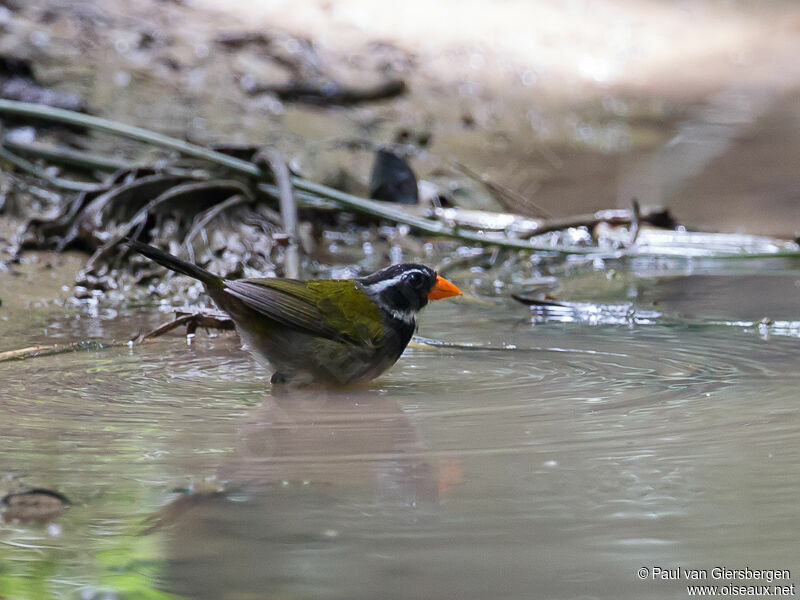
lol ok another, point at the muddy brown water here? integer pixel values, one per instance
(584, 446)
(653, 424)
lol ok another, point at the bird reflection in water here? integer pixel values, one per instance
(318, 479)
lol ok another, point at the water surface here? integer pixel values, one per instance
(583, 445)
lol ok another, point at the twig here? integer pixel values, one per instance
(506, 196)
(279, 169)
(527, 226)
(49, 350)
(327, 94)
(658, 217)
(207, 319)
(529, 300)
(636, 218)
(167, 327)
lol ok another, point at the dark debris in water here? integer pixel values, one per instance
(392, 179)
(35, 505)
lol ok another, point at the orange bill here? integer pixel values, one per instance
(443, 289)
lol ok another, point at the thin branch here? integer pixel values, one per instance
(167, 327)
(51, 349)
(207, 319)
(504, 195)
(332, 94)
(279, 169)
(636, 217)
(658, 217)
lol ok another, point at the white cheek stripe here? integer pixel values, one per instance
(378, 287)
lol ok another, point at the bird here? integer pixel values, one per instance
(333, 332)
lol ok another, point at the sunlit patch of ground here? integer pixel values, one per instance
(580, 92)
(669, 48)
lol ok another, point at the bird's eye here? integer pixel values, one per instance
(415, 279)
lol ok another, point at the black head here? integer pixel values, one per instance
(400, 290)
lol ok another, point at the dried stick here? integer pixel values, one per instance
(288, 208)
(51, 349)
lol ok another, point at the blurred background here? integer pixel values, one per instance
(575, 105)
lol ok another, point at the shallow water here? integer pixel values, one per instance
(652, 422)
(659, 429)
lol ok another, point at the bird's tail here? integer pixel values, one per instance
(173, 263)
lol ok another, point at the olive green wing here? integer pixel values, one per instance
(335, 310)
